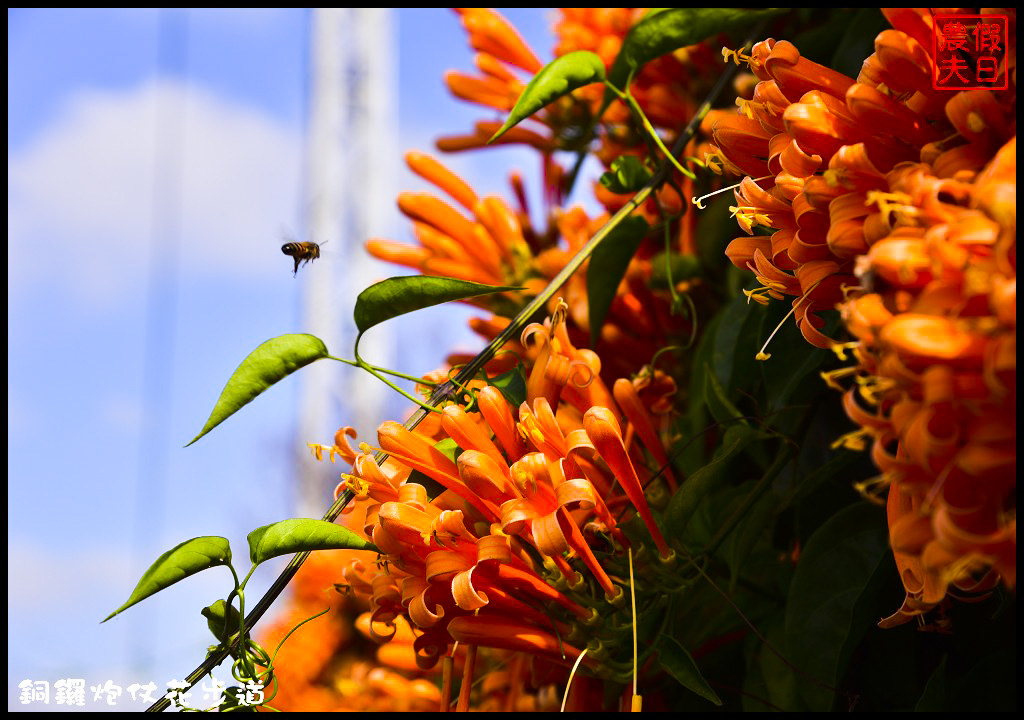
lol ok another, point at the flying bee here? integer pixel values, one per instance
(302, 252)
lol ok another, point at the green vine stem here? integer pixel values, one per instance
(374, 369)
(628, 98)
(370, 369)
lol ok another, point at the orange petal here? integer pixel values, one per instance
(468, 434)
(508, 634)
(499, 417)
(603, 431)
(434, 172)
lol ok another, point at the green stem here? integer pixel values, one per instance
(627, 98)
(378, 368)
(369, 368)
(285, 638)
(676, 301)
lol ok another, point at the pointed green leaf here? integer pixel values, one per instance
(677, 662)
(449, 448)
(556, 79)
(627, 175)
(756, 519)
(933, 698)
(512, 386)
(400, 295)
(834, 568)
(299, 535)
(220, 617)
(270, 362)
(608, 266)
(722, 409)
(667, 29)
(178, 563)
(432, 486)
(737, 342)
(690, 494)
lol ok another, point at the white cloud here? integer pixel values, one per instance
(81, 198)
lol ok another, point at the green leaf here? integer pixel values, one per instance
(627, 175)
(678, 663)
(722, 409)
(176, 564)
(834, 568)
(219, 616)
(449, 448)
(689, 495)
(736, 344)
(791, 363)
(556, 79)
(432, 486)
(695, 422)
(752, 529)
(608, 266)
(299, 535)
(273, 360)
(400, 295)
(858, 42)
(933, 698)
(665, 30)
(770, 684)
(682, 267)
(512, 386)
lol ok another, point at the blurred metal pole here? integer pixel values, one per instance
(351, 181)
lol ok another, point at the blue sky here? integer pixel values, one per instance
(113, 365)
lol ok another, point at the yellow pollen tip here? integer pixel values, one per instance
(840, 348)
(856, 440)
(356, 484)
(871, 387)
(831, 377)
(738, 56)
(744, 106)
(833, 178)
(975, 122)
(756, 295)
(873, 489)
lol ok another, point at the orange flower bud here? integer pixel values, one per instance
(604, 433)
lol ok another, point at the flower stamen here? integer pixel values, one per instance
(747, 217)
(711, 159)
(893, 202)
(737, 56)
(572, 673)
(840, 348)
(831, 377)
(762, 355)
(856, 440)
(636, 701)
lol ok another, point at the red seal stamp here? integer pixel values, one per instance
(970, 52)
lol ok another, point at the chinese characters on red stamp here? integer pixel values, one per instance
(970, 52)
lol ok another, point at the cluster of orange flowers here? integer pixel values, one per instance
(504, 557)
(497, 246)
(668, 89)
(936, 379)
(897, 202)
(487, 240)
(507, 554)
